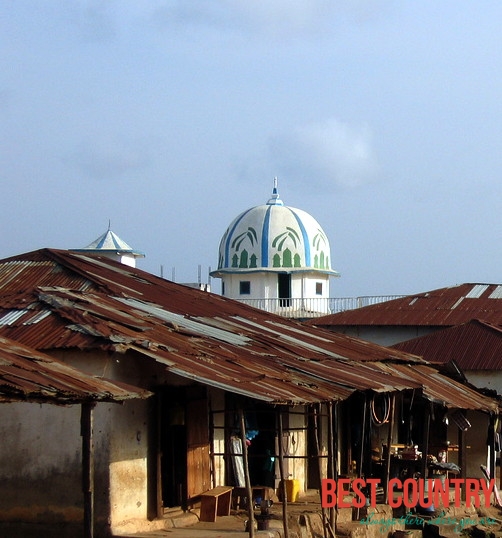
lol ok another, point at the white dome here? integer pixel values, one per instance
(276, 238)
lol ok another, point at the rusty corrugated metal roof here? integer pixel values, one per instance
(96, 303)
(444, 307)
(475, 345)
(32, 376)
(442, 389)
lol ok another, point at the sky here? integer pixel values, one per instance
(166, 119)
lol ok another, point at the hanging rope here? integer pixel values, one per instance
(378, 421)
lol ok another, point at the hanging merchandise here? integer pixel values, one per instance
(380, 416)
(237, 461)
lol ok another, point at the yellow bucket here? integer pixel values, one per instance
(292, 490)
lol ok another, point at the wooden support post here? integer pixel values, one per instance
(336, 418)
(363, 443)
(492, 462)
(325, 522)
(159, 504)
(462, 459)
(86, 431)
(332, 471)
(246, 474)
(212, 470)
(425, 447)
(389, 443)
(283, 478)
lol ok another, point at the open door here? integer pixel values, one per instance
(284, 289)
(198, 455)
(184, 445)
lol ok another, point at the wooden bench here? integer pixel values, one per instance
(215, 502)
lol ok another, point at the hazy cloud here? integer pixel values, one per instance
(277, 17)
(106, 158)
(329, 153)
(95, 20)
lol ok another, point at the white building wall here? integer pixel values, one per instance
(263, 285)
(264, 292)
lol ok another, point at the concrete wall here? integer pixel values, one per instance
(41, 453)
(41, 463)
(475, 440)
(40, 457)
(127, 470)
(264, 285)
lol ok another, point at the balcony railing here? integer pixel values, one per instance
(316, 306)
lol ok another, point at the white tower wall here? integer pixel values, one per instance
(276, 258)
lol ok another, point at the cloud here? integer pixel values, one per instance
(329, 154)
(272, 17)
(106, 158)
(94, 20)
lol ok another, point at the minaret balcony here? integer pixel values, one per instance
(306, 308)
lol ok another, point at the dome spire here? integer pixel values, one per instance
(275, 200)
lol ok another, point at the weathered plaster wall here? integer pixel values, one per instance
(128, 462)
(475, 440)
(476, 436)
(40, 465)
(40, 453)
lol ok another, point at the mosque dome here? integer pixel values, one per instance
(274, 238)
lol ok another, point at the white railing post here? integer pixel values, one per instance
(313, 307)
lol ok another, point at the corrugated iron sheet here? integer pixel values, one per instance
(29, 375)
(442, 389)
(444, 307)
(473, 346)
(197, 335)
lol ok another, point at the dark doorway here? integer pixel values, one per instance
(173, 447)
(284, 289)
(313, 442)
(262, 448)
(184, 445)
(261, 436)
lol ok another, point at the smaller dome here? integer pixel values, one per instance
(110, 245)
(109, 241)
(274, 237)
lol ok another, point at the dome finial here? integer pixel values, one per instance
(275, 200)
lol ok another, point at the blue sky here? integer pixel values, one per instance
(380, 118)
